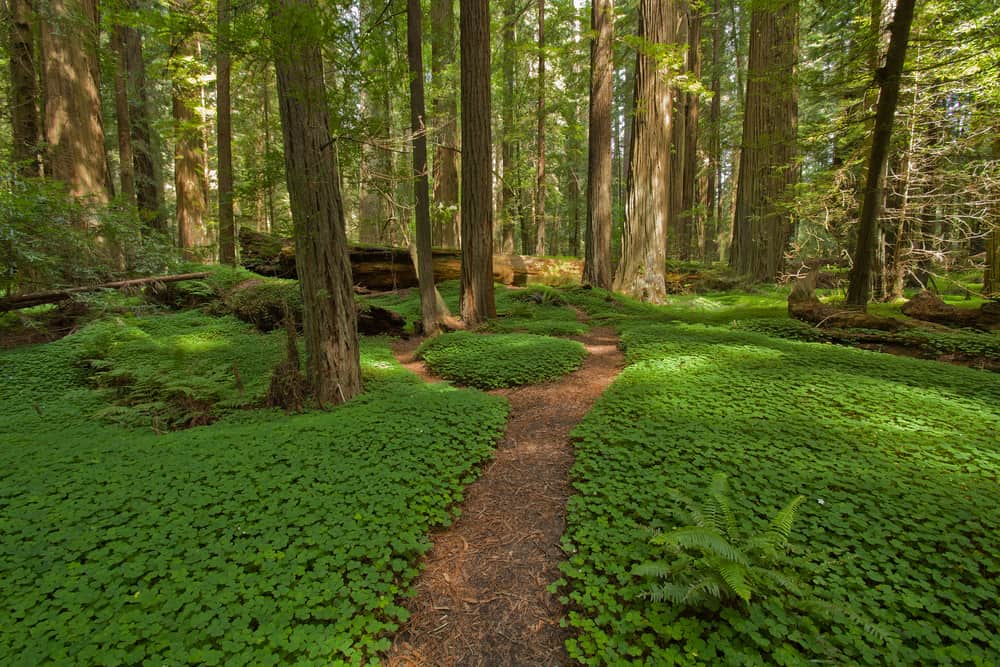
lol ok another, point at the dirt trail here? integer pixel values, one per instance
(482, 598)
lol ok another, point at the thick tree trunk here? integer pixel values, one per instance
(74, 127)
(689, 191)
(477, 211)
(126, 157)
(597, 264)
(540, 247)
(329, 316)
(762, 224)
(508, 192)
(148, 179)
(641, 273)
(224, 135)
(425, 271)
(714, 181)
(25, 130)
(859, 291)
(445, 114)
(678, 147)
(189, 159)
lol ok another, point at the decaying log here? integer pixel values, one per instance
(380, 269)
(803, 305)
(930, 308)
(38, 298)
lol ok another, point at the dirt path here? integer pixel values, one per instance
(482, 598)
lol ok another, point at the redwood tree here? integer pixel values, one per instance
(224, 135)
(641, 272)
(540, 138)
(597, 262)
(23, 87)
(477, 202)
(445, 112)
(333, 367)
(762, 224)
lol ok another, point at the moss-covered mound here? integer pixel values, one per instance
(502, 360)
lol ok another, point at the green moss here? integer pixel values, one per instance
(500, 360)
(262, 538)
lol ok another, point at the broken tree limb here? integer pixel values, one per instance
(381, 269)
(931, 308)
(54, 296)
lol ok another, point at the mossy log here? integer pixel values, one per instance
(19, 301)
(380, 269)
(930, 308)
(803, 305)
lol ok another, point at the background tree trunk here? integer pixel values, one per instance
(126, 156)
(224, 135)
(678, 147)
(329, 316)
(540, 248)
(597, 263)
(477, 211)
(713, 183)
(641, 273)
(508, 192)
(425, 270)
(689, 191)
(25, 130)
(991, 277)
(762, 223)
(445, 113)
(189, 158)
(74, 125)
(859, 291)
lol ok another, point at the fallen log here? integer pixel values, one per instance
(19, 301)
(929, 307)
(380, 269)
(804, 305)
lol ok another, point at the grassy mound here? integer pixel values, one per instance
(500, 360)
(896, 546)
(260, 539)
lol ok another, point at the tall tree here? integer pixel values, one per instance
(762, 224)
(425, 268)
(641, 272)
(540, 143)
(689, 182)
(714, 177)
(74, 125)
(123, 114)
(508, 192)
(477, 302)
(23, 87)
(888, 77)
(333, 367)
(445, 113)
(597, 261)
(189, 154)
(676, 220)
(991, 276)
(224, 134)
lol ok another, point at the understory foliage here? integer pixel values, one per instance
(500, 360)
(897, 542)
(710, 558)
(260, 539)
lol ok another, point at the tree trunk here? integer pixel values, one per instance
(25, 130)
(859, 291)
(73, 121)
(425, 271)
(445, 113)
(689, 191)
(508, 192)
(762, 224)
(126, 157)
(224, 136)
(477, 211)
(189, 160)
(675, 215)
(714, 182)
(597, 263)
(148, 180)
(991, 276)
(540, 248)
(329, 316)
(641, 273)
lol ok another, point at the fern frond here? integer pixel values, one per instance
(673, 593)
(781, 525)
(706, 539)
(777, 580)
(690, 512)
(719, 508)
(735, 576)
(656, 569)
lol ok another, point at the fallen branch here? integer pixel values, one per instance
(54, 296)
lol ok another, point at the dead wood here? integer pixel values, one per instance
(929, 307)
(804, 305)
(19, 301)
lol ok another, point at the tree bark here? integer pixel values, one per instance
(762, 224)
(445, 113)
(678, 147)
(224, 135)
(689, 190)
(25, 130)
(333, 366)
(508, 191)
(540, 248)
(74, 125)
(425, 270)
(991, 275)
(714, 181)
(477, 211)
(597, 261)
(189, 159)
(641, 273)
(126, 157)
(859, 290)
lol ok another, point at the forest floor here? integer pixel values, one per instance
(483, 597)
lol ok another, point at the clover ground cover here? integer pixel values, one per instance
(260, 539)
